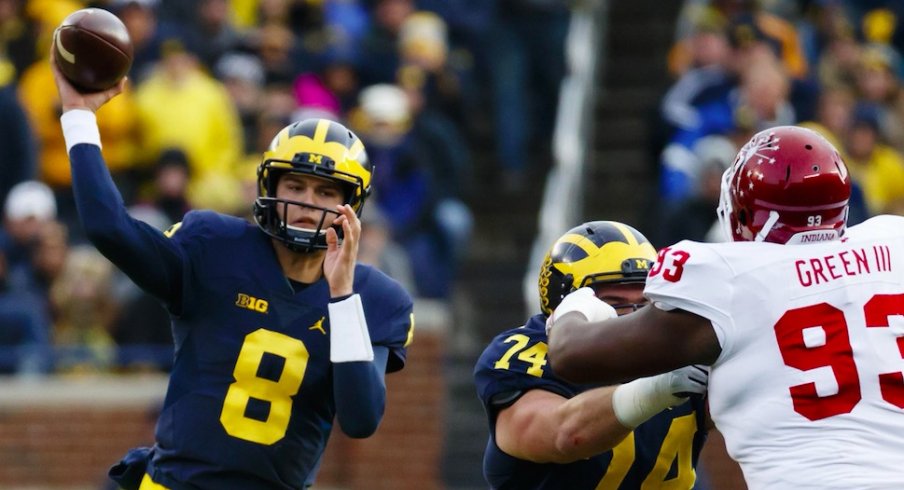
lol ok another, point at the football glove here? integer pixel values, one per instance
(585, 302)
(637, 401)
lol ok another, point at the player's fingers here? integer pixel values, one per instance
(349, 242)
(353, 221)
(116, 89)
(346, 211)
(332, 239)
(340, 215)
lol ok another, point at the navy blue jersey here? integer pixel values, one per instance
(662, 450)
(250, 400)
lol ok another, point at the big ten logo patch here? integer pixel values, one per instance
(251, 303)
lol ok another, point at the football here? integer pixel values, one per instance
(92, 49)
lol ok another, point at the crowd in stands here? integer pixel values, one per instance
(211, 83)
(741, 66)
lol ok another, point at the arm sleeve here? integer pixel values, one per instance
(360, 393)
(142, 252)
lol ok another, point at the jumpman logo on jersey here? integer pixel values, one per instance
(318, 325)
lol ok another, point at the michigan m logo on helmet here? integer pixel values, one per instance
(319, 148)
(597, 252)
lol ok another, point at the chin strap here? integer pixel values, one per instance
(767, 227)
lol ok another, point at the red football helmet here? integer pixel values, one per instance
(787, 185)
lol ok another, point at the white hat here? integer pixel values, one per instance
(240, 66)
(715, 150)
(30, 199)
(385, 103)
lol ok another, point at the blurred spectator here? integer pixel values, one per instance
(526, 62)
(140, 19)
(340, 75)
(431, 224)
(878, 84)
(876, 79)
(763, 97)
(751, 25)
(707, 71)
(378, 249)
(180, 106)
(28, 296)
(277, 48)
(29, 206)
(346, 20)
(380, 46)
(216, 34)
(271, 12)
(694, 217)
(47, 257)
(171, 177)
(424, 70)
(178, 11)
(18, 39)
(243, 76)
(748, 23)
(759, 102)
(833, 122)
(246, 173)
(839, 59)
(881, 23)
(314, 99)
(267, 122)
(24, 329)
(279, 100)
(17, 160)
(833, 115)
(877, 167)
(84, 309)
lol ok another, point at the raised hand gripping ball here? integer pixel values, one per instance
(92, 49)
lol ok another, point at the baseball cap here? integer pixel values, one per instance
(30, 199)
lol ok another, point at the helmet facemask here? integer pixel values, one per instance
(268, 207)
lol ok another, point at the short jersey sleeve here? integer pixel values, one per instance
(514, 363)
(694, 277)
(390, 316)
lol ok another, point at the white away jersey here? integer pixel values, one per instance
(808, 390)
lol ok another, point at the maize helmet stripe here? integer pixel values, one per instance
(323, 126)
(632, 236)
(594, 252)
(355, 150)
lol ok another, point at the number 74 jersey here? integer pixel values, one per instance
(661, 453)
(808, 390)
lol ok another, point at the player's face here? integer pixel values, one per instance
(309, 190)
(625, 298)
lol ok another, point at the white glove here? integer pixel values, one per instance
(637, 401)
(585, 302)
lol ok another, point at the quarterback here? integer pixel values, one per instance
(278, 330)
